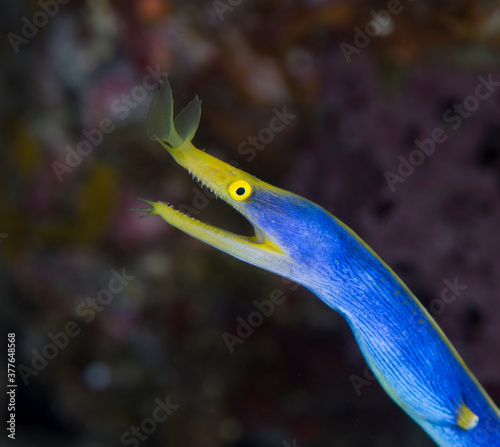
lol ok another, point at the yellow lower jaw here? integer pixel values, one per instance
(175, 136)
(242, 247)
(224, 240)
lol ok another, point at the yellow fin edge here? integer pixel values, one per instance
(466, 419)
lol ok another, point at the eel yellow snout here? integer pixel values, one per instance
(404, 347)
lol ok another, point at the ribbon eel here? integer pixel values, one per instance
(404, 347)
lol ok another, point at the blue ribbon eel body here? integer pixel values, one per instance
(406, 350)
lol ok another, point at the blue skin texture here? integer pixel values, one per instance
(405, 349)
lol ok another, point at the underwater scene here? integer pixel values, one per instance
(250, 223)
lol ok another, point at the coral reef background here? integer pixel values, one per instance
(365, 86)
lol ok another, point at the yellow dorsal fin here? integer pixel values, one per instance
(466, 419)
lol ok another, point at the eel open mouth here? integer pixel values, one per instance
(231, 184)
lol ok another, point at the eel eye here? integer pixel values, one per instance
(240, 190)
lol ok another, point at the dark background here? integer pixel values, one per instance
(291, 381)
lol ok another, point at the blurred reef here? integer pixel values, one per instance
(75, 155)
